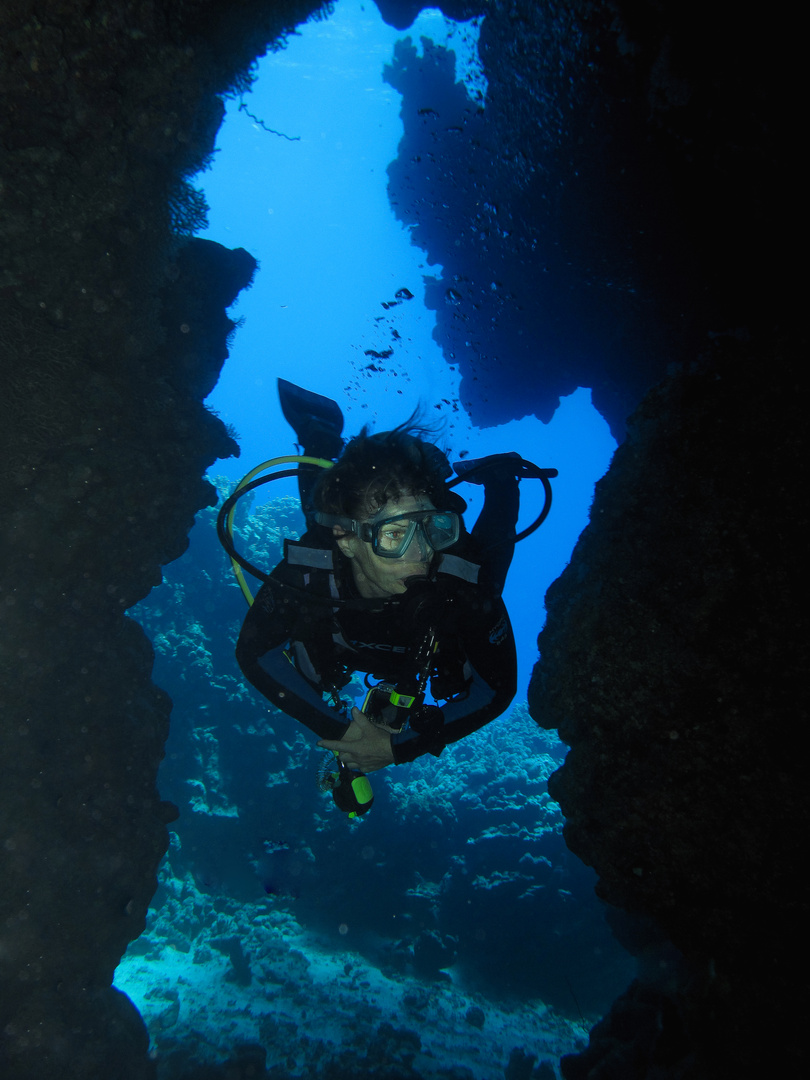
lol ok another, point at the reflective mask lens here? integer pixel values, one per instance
(391, 538)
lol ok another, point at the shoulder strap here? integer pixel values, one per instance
(313, 622)
(455, 566)
(297, 553)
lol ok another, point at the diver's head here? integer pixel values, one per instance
(377, 469)
(389, 508)
(391, 549)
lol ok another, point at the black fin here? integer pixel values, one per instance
(317, 421)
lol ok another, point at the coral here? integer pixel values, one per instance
(475, 1017)
(240, 968)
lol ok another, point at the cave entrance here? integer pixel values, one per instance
(240, 947)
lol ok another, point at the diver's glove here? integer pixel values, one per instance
(483, 470)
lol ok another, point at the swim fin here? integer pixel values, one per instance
(317, 421)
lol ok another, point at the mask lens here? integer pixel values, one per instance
(441, 530)
(393, 537)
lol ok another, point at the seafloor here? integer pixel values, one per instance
(313, 1006)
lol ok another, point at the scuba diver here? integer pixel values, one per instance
(386, 580)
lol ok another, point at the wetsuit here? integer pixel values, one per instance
(295, 649)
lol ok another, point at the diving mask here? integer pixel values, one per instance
(391, 537)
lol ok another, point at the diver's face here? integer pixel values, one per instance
(376, 576)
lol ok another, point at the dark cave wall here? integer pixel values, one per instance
(112, 330)
(672, 654)
(672, 663)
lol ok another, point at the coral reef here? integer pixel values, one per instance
(315, 1006)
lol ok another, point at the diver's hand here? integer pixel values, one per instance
(365, 747)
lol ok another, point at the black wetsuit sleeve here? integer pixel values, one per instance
(486, 637)
(262, 654)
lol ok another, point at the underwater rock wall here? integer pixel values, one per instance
(112, 329)
(672, 662)
(631, 173)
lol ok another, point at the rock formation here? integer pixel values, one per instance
(113, 329)
(671, 663)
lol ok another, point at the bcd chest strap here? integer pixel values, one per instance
(311, 571)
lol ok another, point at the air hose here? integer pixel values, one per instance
(226, 513)
(247, 483)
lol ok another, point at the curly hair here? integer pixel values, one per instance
(376, 469)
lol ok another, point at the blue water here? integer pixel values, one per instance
(315, 213)
(469, 844)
